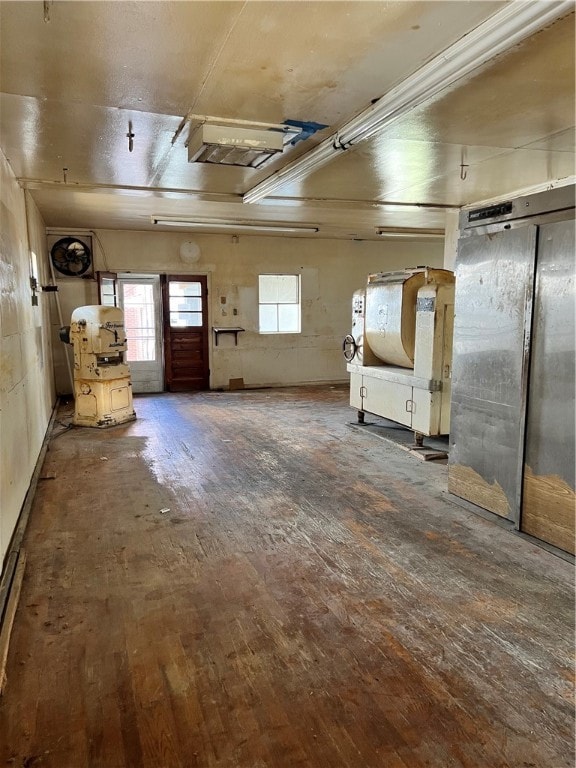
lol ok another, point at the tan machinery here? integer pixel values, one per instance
(102, 386)
(399, 353)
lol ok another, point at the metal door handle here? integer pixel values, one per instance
(409, 406)
(363, 392)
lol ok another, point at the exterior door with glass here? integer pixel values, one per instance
(139, 298)
(185, 332)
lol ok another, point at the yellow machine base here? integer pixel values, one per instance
(103, 403)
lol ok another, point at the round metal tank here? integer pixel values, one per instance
(391, 311)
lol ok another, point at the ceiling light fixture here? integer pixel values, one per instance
(409, 232)
(232, 145)
(505, 29)
(165, 221)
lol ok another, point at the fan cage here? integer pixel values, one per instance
(71, 255)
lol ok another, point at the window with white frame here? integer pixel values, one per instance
(279, 303)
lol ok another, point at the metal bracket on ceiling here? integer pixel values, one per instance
(339, 144)
(130, 136)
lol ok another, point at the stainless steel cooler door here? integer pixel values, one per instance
(548, 507)
(494, 283)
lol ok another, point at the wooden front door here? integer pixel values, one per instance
(185, 310)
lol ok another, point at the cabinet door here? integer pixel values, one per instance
(356, 391)
(426, 411)
(549, 502)
(388, 399)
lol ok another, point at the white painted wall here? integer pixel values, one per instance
(331, 270)
(26, 378)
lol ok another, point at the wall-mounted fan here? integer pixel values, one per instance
(71, 256)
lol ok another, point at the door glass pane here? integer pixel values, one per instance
(141, 350)
(185, 289)
(185, 304)
(185, 319)
(139, 321)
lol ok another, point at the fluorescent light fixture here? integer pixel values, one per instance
(408, 232)
(165, 221)
(501, 32)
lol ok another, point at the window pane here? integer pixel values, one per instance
(186, 319)
(287, 289)
(268, 285)
(185, 304)
(140, 316)
(268, 318)
(279, 303)
(140, 349)
(107, 294)
(137, 293)
(185, 289)
(107, 286)
(289, 318)
(139, 333)
(281, 289)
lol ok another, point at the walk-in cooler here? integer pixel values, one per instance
(513, 416)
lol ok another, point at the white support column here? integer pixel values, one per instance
(451, 239)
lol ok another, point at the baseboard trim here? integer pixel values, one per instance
(12, 554)
(9, 616)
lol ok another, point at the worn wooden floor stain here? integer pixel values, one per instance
(310, 599)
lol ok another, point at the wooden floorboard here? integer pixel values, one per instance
(312, 599)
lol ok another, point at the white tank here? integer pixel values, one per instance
(391, 299)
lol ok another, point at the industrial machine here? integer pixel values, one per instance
(399, 353)
(102, 386)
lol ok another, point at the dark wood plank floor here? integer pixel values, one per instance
(311, 598)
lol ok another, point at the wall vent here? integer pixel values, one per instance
(70, 254)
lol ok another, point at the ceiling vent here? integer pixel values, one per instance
(234, 145)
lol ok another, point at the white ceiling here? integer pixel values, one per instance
(74, 75)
